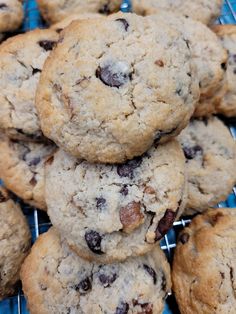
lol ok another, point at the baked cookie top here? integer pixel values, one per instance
(55, 280)
(14, 243)
(110, 212)
(11, 15)
(210, 152)
(111, 99)
(22, 166)
(54, 11)
(21, 61)
(204, 268)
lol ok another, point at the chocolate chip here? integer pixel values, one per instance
(105, 9)
(124, 22)
(222, 275)
(224, 66)
(131, 216)
(146, 308)
(101, 202)
(2, 198)
(114, 74)
(124, 190)
(84, 286)
(3, 6)
(106, 277)
(35, 71)
(165, 224)
(127, 169)
(163, 282)
(191, 152)
(35, 161)
(151, 272)
(122, 308)
(160, 63)
(184, 237)
(33, 181)
(94, 239)
(47, 44)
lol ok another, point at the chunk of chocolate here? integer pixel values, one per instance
(127, 169)
(93, 240)
(165, 224)
(84, 286)
(131, 217)
(191, 152)
(47, 44)
(122, 308)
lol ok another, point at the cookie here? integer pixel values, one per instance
(204, 268)
(21, 61)
(110, 100)
(58, 27)
(210, 153)
(205, 11)
(110, 212)
(11, 15)
(56, 10)
(14, 243)
(55, 281)
(227, 35)
(22, 166)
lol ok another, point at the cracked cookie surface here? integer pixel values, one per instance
(210, 152)
(110, 212)
(204, 268)
(116, 91)
(205, 11)
(56, 10)
(14, 243)
(22, 166)
(57, 281)
(21, 61)
(11, 15)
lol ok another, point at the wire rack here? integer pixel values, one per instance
(39, 221)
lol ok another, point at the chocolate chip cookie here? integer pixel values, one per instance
(204, 268)
(56, 10)
(210, 153)
(22, 167)
(14, 243)
(11, 15)
(55, 281)
(205, 11)
(110, 212)
(227, 35)
(117, 91)
(21, 62)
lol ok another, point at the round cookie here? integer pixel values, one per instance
(14, 243)
(11, 15)
(109, 101)
(227, 35)
(21, 61)
(204, 268)
(210, 153)
(55, 280)
(56, 10)
(110, 212)
(22, 166)
(205, 11)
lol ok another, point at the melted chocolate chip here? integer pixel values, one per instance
(3, 6)
(35, 161)
(122, 308)
(35, 71)
(2, 198)
(114, 74)
(184, 237)
(47, 44)
(105, 9)
(101, 202)
(93, 240)
(165, 224)
(224, 66)
(191, 152)
(127, 169)
(106, 278)
(124, 190)
(151, 272)
(124, 22)
(84, 286)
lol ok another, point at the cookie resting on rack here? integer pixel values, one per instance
(22, 166)
(204, 268)
(21, 62)
(57, 281)
(56, 10)
(205, 11)
(210, 153)
(15, 243)
(117, 90)
(110, 212)
(11, 15)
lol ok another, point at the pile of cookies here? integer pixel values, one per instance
(107, 125)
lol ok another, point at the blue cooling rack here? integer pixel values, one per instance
(39, 221)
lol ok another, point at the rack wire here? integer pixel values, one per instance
(39, 221)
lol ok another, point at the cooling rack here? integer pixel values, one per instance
(39, 221)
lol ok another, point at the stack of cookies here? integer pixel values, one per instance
(98, 130)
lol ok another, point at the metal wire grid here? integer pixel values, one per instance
(39, 221)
